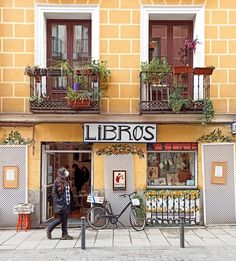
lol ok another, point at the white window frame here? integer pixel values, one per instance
(194, 13)
(44, 12)
(182, 186)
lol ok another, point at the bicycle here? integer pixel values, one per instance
(98, 217)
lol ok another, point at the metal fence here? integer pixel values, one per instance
(165, 207)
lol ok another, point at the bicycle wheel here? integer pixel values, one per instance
(137, 218)
(96, 217)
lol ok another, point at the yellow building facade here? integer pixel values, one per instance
(120, 35)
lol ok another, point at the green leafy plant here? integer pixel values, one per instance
(83, 80)
(208, 111)
(96, 94)
(63, 64)
(215, 136)
(156, 70)
(35, 71)
(117, 149)
(73, 95)
(176, 100)
(15, 138)
(101, 68)
(95, 67)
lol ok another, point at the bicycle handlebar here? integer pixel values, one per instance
(128, 194)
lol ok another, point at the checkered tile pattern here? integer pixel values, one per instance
(118, 162)
(12, 155)
(219, 199)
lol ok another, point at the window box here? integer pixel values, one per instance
(182, 69)
(76, 105)
(203, 70)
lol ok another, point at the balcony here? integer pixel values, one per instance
(155, 95)
(48, 90)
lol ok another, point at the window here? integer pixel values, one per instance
(165, 39)
(172, 165)
(67, 40)
(168, 37)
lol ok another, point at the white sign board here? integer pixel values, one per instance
(122, 132)
(233, 126)
(10, 174)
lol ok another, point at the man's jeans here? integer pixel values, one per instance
(62, 219)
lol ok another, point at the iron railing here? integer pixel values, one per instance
(165, 207)
(48, 91)
(154, 96)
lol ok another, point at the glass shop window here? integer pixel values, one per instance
(171, 168)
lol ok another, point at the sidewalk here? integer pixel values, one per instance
(159, 238)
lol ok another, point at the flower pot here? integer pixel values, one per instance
(182, 69)
(78, 104)
(152, 45)
(203, 70)
(84, 71)
(76, 86)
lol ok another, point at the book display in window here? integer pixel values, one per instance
(171, 168)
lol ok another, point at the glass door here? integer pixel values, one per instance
(47, 185)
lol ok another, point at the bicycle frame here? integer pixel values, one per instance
(105, 212)
(111, 215)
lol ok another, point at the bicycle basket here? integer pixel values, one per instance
(98, 200)
(135, 201)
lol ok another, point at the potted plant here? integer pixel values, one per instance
(35, 71)
(95, 73)
(81, 81)
(101, 68)
(60, 68)
(78, 99)
(176, 100)
(155, 71)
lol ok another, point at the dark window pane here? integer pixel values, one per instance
(80, 45)
(59, 42)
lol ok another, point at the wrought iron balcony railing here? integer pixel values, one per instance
(156, 89)
(49, 91)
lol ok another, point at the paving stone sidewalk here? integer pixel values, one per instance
(158, 238)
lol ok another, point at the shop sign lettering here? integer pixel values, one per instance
(120, 132)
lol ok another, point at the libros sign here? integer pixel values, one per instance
(122, 132)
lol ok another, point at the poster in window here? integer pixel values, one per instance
(119, 180)
(10, 177)
(152, 173)
(219, 173)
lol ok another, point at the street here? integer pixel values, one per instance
(201, 243)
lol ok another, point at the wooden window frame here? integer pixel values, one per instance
(70, 34)
(170, 25)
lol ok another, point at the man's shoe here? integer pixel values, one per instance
(66, 237)
(49, 234)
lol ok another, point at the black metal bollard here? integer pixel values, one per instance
(182, 231)
(83, 233)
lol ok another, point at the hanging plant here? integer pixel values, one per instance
(208, 111)
(118, 149)
(15, 138)
(215, 136)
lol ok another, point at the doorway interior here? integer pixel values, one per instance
(65, 154)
